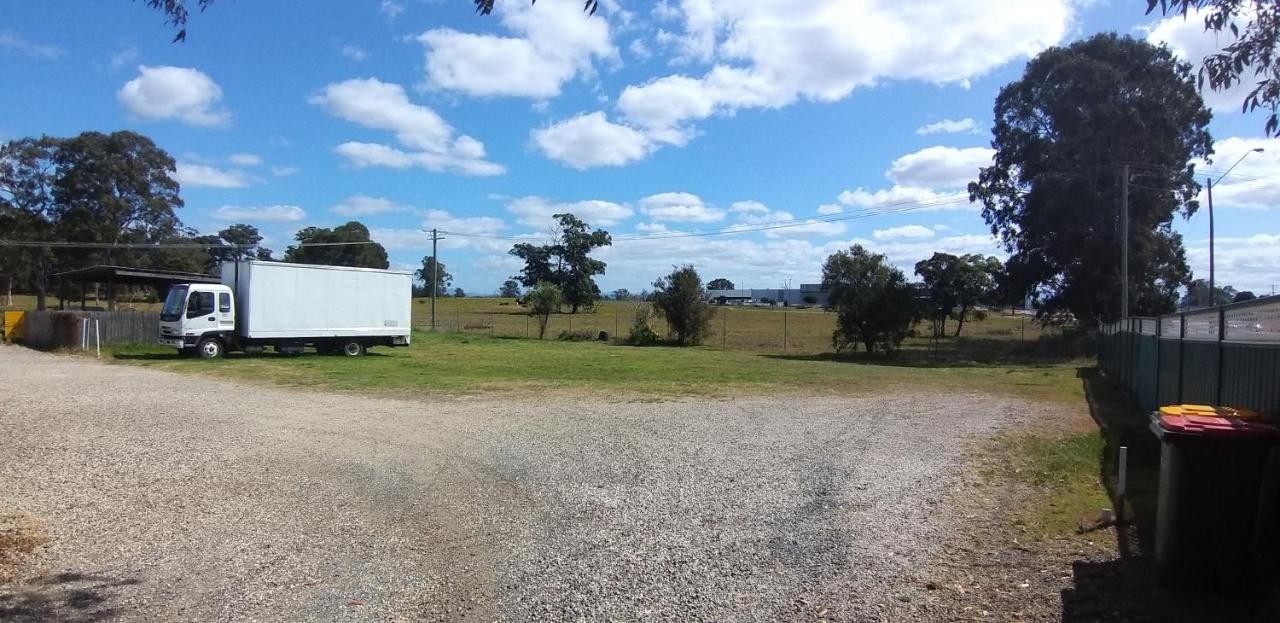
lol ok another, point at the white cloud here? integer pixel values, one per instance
(385, 106)
(391, 8)
(901, 196)
(754, 207)
(828, 209)
(905, 232)
(263, 214)
(943, 168)
(948, 126)
(285, 171)
(354, 52)
(481, 225)
(124, 58)
(763, 53)
(180, 93)
(1251, 184)
(245, 160)
(10, 40)
(680, 207)
(1187, 39)
(537, 211)
(200, 175)
(640, 50)
(364, 205)
(1246, 262)
(591, 141)
(556, 41)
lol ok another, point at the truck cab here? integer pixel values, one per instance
(198, 318)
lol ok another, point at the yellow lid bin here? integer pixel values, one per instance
(1209, 411)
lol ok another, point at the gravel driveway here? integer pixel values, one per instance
(169, 497)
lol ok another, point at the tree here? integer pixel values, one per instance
(938, 279)
(115, 188)
(510, 289)
(720, 283)
(1251, 48)
(27, 173)
(873, 303)
(247, 241)
(1243, 296)
(622, 294)
(1198, 295)
(345, 245)
(975, 282)
(566, 262)
(543, 300)
(459, 293)
(680, 300)
(1064, 133)
(443, 278)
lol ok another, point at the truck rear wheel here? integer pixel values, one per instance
(209, 348)
(353, 348)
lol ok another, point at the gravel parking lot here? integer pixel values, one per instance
(169, 497)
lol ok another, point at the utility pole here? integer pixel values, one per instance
(435, 275)
(1209, 191)
(1124, 241)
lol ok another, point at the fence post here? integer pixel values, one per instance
(784, 330)
(1222, 333)
(1159, 332)
(1182, 351)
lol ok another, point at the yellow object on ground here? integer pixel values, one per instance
(1210, 411)
(12, 325)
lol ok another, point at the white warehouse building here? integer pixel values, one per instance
(777, 296)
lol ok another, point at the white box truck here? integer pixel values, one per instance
(336, 309)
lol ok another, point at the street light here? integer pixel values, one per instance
(1209, 188)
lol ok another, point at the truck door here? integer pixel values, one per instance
(200, 312)
(226, 313)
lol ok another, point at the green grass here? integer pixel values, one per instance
(1064, 469)
(451, 363)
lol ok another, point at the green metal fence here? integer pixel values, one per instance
(1228, 355)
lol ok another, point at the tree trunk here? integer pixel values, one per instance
(870, 346)
(960, 320)
(8, 292)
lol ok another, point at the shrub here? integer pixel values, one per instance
(576, 336)
(680, 300)
(641, 333)
(543, 300)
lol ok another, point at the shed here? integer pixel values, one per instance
(161, 280)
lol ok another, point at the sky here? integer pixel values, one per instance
(750, 138)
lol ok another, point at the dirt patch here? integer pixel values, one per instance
(20, 537)
(1014, 558)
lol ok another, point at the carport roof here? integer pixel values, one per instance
(135, 276)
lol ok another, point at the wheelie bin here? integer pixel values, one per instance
(1212, 463)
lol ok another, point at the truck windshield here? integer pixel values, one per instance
(174, 304)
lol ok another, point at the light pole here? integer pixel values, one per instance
(1209, 191)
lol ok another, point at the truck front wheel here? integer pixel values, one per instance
(353, 348)
(209, 348)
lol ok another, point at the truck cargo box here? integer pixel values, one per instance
(282, 300)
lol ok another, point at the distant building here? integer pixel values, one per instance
(774, 296)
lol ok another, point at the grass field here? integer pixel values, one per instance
(453, 363)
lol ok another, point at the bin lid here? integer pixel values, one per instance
(1191, 424)
(1210, 411)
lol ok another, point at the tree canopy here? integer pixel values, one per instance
(874, 304)
(954, 285)
(1064, 134)
(680, 299)
(1252, 48)
(720, 283)
(319, 245)
(510, 289)
(442, 277)
(567, 262)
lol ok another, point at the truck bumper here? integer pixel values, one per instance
(175, 342)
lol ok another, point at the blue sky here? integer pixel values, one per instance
(851, 121)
